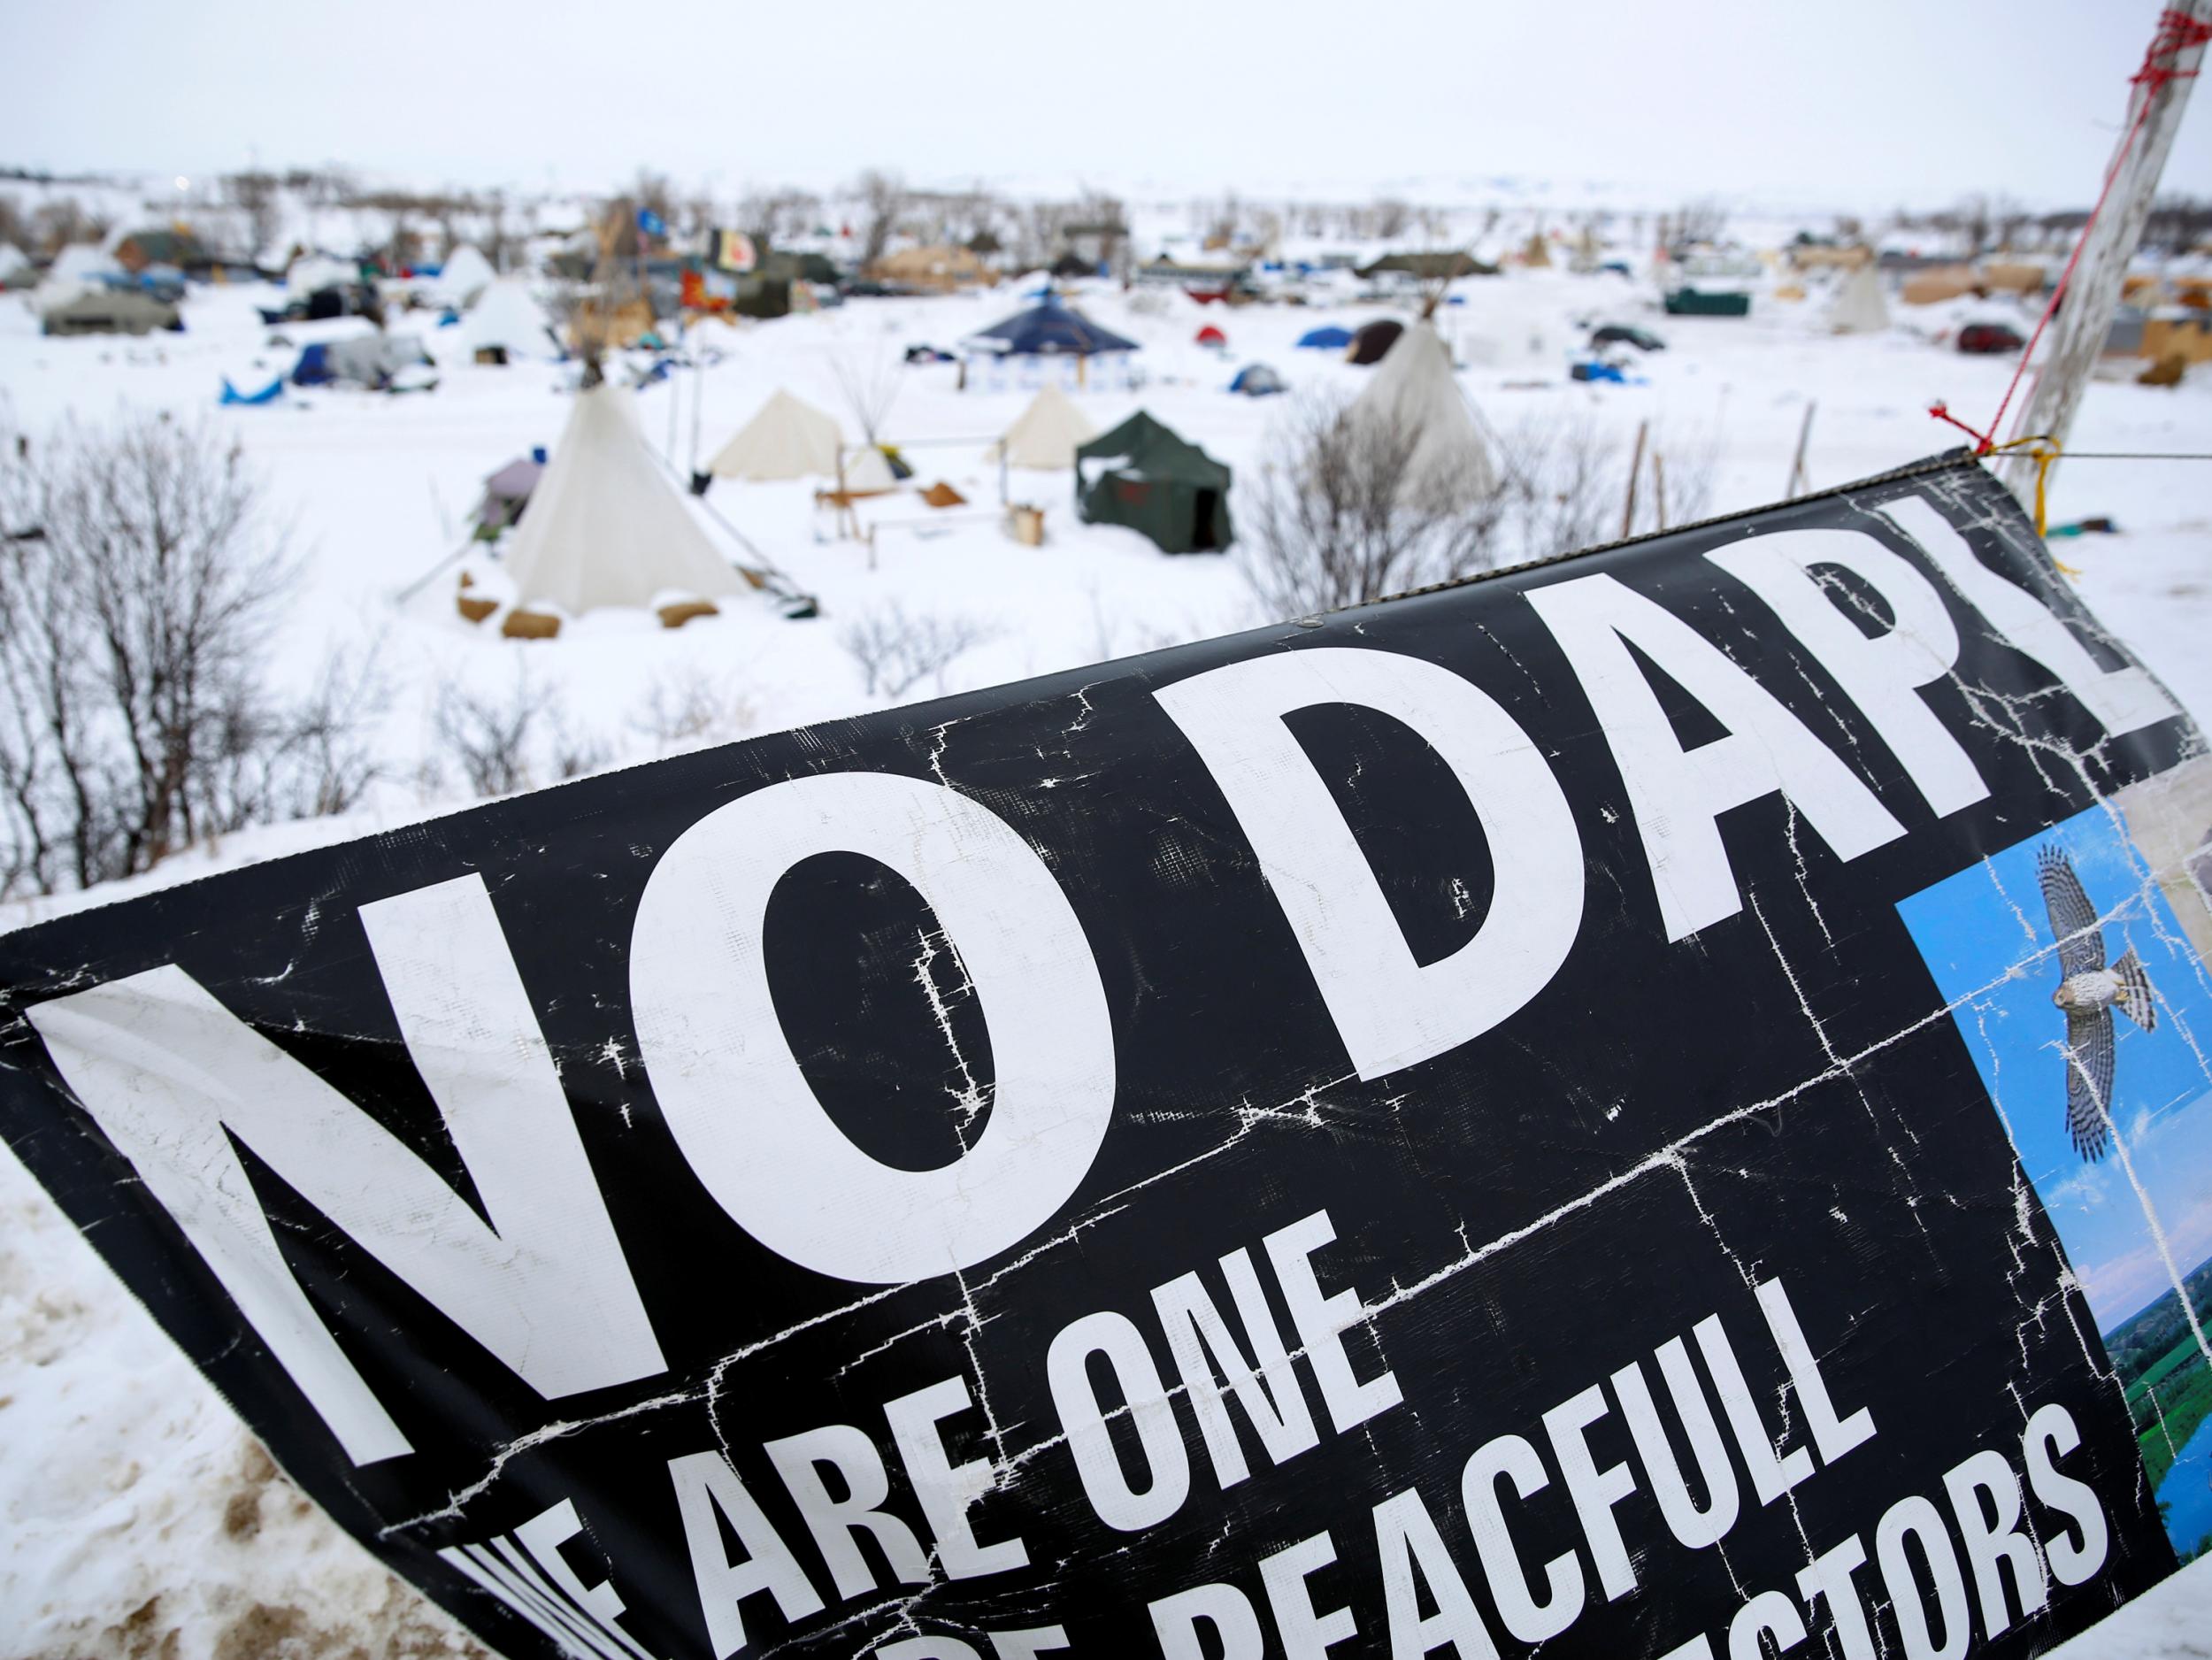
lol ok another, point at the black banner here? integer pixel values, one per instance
(1527, 1114)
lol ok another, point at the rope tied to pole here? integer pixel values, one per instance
(2177, 32)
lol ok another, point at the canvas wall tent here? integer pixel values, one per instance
(162, 247)
(1370, 342)
(1415, 394)
(1144, 476)
(605, 525)
(940, 269)
(465, 274)
(787, 439)
(1046, 434)
(1328, 337)
(506, 321)
(1859, 307)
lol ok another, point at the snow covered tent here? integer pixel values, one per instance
(1328, 337)
(465, 274)
(1046, 434)
(506, 324)
(787, 439)
(311, 273)
(14, 262)
(1859, 307)
(1257, 380)
(1370, 342)
(1414, 394)
(89, 309)
(374, 359)
(605, 525)
(506, 493)
(1143, 475)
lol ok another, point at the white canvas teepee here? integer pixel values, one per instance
(1859, 307)
(867, 472)
(505, 316)
(465, 274)
(1047, 434)
(1412, 391)
(605, 525)
(788, 439)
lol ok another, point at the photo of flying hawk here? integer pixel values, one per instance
(2088, 992)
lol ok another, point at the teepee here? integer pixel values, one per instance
(1859, 307)
(465, 274)
(1046, 434)
(605, 525)
(506, 318)
(788, 439)
(1413, 392)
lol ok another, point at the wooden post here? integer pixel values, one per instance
(1798, 478)
(2086, 308)
(1635, 465)
(1659, 485)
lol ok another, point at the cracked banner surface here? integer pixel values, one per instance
(1659, 1102)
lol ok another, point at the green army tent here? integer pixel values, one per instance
(1140, 474)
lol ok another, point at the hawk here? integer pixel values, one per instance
(2087, 993)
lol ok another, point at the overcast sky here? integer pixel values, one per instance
(1849, 103)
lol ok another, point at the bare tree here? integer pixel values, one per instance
(882, 199)
(894, 651)
(1391, 217)
(256, 194)
(57, 223)
(139, 582)
(689, 705)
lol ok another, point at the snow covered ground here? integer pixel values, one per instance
(136, 1518)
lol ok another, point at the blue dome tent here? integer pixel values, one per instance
(1328, 337)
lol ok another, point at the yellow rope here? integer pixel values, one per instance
(2043, 450)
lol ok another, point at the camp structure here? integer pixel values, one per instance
(85, 309)
(1859, 307)
(1049, 340)
(378, 361)
(1427, 267)
(1144, 476)
(506, 325)
(1328, 337)
(1211, 336)
(605, 525)
(939, 269)
(16, 269)
(506, 493)
(465, 274)
(1415, 399)
(1257, 380)
(787, 439)
(1370, 342)
(311, 273)
(1046, 434)
(1932, 285)
(867, 472)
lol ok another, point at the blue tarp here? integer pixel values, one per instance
(1051, 330)
(1328, 337)
(268, 394)
(313, 368)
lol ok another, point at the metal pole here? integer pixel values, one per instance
(2086, 308)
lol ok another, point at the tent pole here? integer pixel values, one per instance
(1798, 481)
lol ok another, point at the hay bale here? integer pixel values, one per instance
(2167, 371)
(1789, 291)
(530, 625)
(474, 607)
(683, 611)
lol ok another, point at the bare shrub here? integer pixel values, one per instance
(139, 584)
(894, 651)
(883, 198)
(1340, 516)
(490, 737)
(688, 705)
